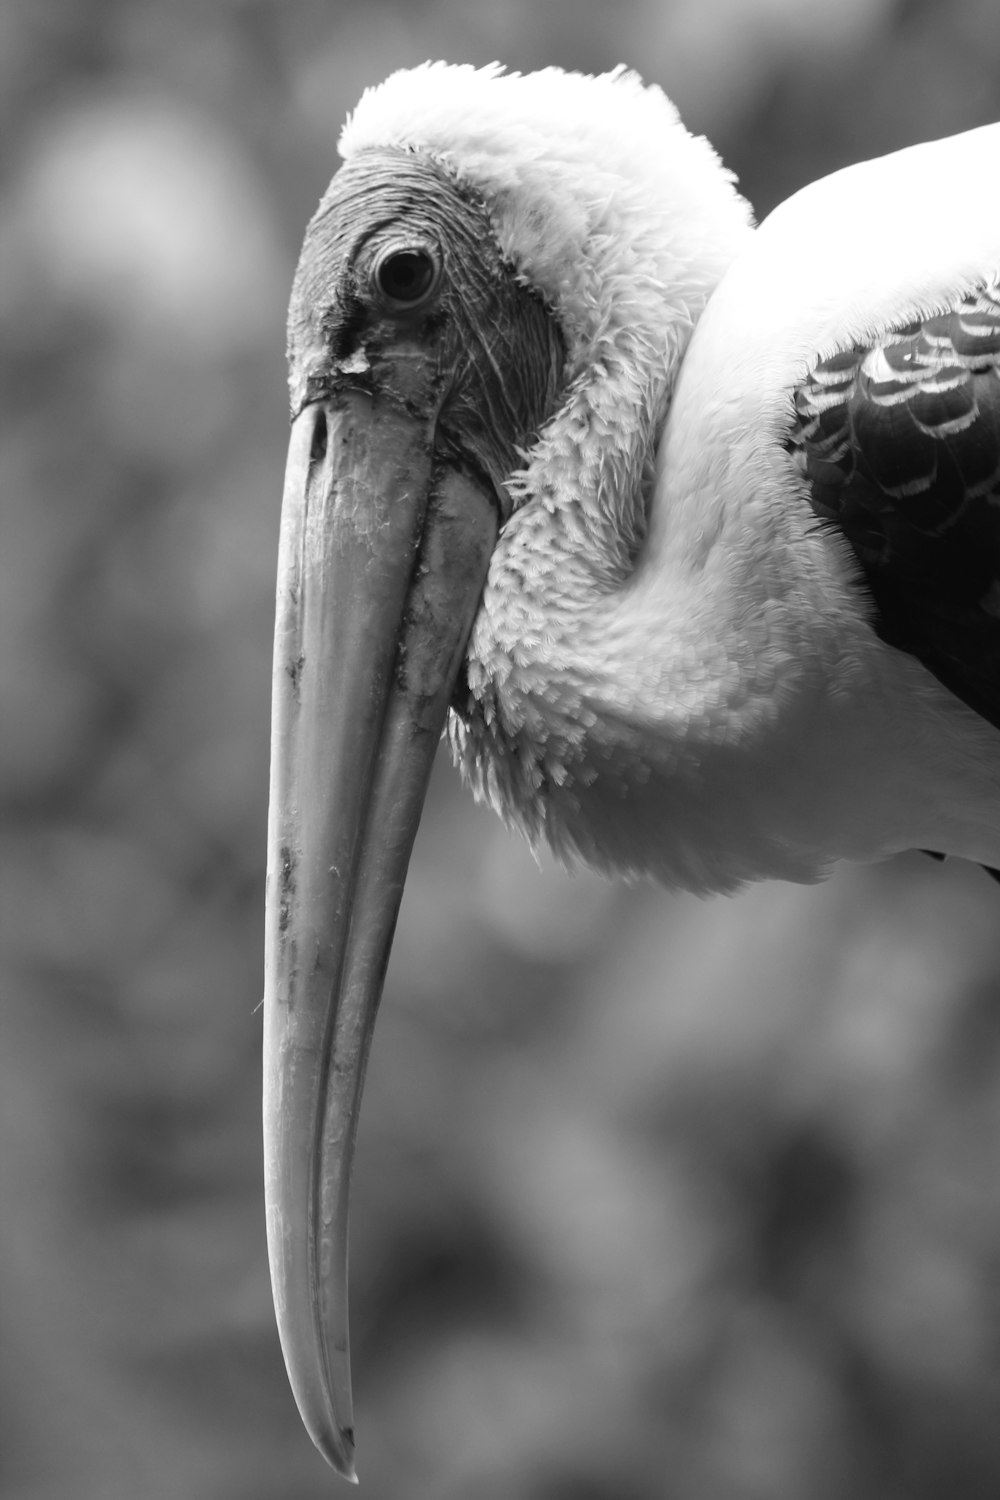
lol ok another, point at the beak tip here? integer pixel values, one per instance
(337, 1447)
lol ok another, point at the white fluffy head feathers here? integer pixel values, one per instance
(599, 196)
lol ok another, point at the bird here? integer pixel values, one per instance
(685, 530)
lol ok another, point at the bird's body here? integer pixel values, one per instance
(710, 706)
(694, 526)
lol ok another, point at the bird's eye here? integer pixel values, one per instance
(405, 275)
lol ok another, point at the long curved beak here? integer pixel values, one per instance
(381, 566)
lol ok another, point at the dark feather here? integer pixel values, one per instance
(900, 445)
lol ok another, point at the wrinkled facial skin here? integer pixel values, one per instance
(480, 359)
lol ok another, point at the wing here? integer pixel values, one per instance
(900, 445)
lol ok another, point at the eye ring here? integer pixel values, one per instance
(405, 276)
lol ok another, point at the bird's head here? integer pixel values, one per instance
(499, 280)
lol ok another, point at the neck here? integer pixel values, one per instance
(554, 704)
(553, 713)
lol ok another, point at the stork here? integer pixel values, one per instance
(689, 530)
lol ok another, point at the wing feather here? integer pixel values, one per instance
(899, 442)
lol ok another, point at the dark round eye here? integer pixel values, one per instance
(406, 276)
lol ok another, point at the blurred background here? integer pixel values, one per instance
(653, 1197)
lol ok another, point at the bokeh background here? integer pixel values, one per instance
(654, 1197)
